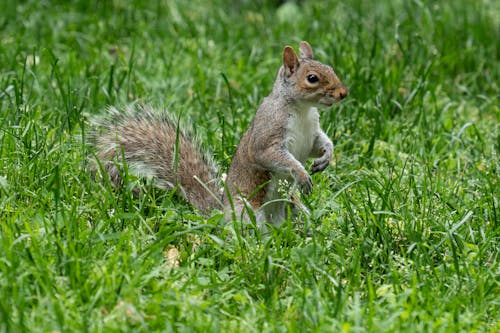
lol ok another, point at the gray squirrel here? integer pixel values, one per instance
(268, 163)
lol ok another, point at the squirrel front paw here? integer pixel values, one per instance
(305, 181)
(321, 163)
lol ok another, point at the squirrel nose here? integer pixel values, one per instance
(343, 93)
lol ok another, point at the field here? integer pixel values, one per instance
(404, 234)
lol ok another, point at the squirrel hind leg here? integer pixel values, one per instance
(243, 211)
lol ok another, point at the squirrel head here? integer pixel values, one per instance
(308, 80)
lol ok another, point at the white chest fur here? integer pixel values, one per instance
(302, 128)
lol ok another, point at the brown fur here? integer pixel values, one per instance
(269, 158)
(265, 154)
(148, 143)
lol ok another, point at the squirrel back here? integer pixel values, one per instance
(152, 145)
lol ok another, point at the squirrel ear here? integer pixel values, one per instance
(290, 61)
(306, 50)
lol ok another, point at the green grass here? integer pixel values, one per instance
(405, 233)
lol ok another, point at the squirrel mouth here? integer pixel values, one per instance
(327, 103)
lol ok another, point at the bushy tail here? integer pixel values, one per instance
(152, 146)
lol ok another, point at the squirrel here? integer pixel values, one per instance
(268, 164)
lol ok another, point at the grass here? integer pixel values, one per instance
(405, 223)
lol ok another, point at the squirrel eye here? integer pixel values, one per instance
(312, 78)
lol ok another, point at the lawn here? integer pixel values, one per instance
(404, 233)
